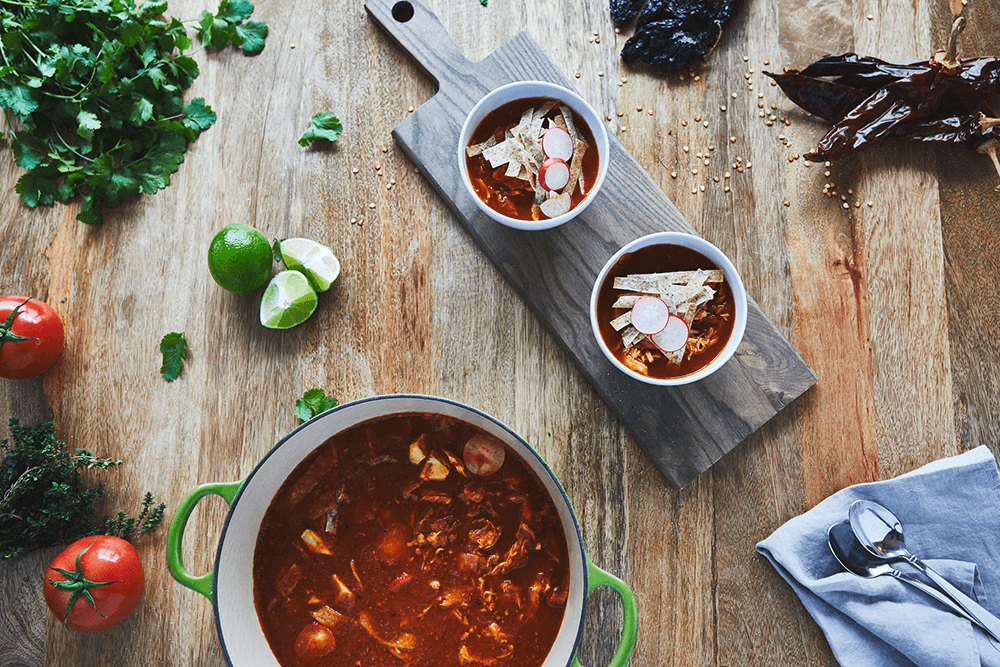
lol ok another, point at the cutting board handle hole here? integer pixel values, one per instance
(402, 11)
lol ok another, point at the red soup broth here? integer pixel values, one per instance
(514, 197)
(716, 324)
(411, 540)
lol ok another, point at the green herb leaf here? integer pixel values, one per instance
(98, 88)
(312, 403)
(323, 126)
(174, 348)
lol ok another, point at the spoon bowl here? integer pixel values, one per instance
(881, 533)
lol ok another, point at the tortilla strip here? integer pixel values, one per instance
(477, 149)
(567, 115)
(500, 153)
(560, 122)
(622, 321)
(631, 336)
(627, 300)
(649, 282)
(575, 166)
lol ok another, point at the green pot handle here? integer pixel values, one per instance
(597, 577)
(202, 584)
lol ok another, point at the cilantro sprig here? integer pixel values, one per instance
(174, 348)
(93, 93)
(312, 403)
(324, 126)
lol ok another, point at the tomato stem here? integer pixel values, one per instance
(5, 329)
(77, 582)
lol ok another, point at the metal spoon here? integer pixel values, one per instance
(855, 558)
(881, 533)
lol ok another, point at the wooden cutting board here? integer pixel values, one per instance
(684, 429)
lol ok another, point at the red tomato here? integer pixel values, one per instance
(31, 337)
(94, 583)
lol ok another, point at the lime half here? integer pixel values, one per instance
(315, 260)
(288, 300)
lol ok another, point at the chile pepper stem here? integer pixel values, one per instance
(951, 55)
(989, 147)
(985, 122)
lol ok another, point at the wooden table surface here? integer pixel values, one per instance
(892, 300)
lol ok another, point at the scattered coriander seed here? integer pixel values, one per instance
(711, 147)
(807, 163)
(621, 113)
(638, 108)
(826, 173)
(871, 204)
(762, 114)
(850, 191)
(697, 78)
(701, 187)
(774, 83)
(705, 123)
(745, 58)
(684, 123)
(650, 112)
(734, 96)
(624, 129)
(722, 108)
(846, 205)
(726, 189)
(354, 171)
(828, 163)
(715, 178)
(596, 33)
(673, 174)
(726, 175)
(601, 73)
(694, 170)
(607, 117)
(760, 96)
(371, 205)
(686, 149)
(597, 39)
(625, 80)
(767, 62)
(857, 204)
(621, 83)
(591, 40)
(787, 203)
(706, 163)
(870, 17)
(694, 191)
(578, 75)
(353, 220)
(409, 109)
(732, 140)
(697, 119)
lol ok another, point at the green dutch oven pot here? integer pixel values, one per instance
(230, 585)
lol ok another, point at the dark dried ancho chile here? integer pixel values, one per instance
(868, 100)
(623, 11)
(676, 34)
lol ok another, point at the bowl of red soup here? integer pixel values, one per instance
(399, 530)
(532, 154)
(668, 309)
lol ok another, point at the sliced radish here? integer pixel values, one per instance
(557, 143)
(650, 315)
(674, 335)
(557, 205)
(554, 174)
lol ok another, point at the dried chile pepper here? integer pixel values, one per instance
(673, 34)
(869, 100)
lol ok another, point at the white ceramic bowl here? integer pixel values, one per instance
(720, 260)
(516, 91)
(230, 585)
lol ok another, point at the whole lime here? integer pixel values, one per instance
(239, 258)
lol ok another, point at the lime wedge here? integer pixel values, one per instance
(315, 260)
(288, 300)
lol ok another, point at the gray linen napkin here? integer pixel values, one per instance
(950, 511)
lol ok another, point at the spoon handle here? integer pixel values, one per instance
(974, 610)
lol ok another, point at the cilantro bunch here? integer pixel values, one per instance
(94, 94)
